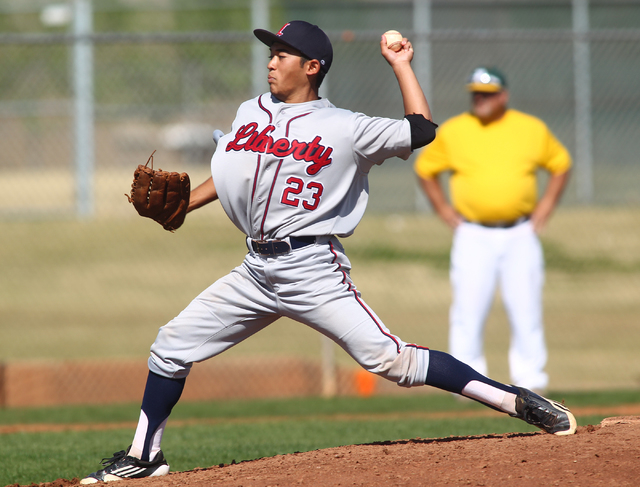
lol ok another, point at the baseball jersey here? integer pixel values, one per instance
(493, 166)
(301, 169)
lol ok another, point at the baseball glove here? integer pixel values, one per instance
(160, 195)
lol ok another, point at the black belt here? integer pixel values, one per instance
(502, 223)
(278, 247)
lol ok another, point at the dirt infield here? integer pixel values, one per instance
(604, 455)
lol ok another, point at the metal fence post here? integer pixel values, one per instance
(422, 31)
(259, 20)
(3, 385)
(83, 109)
(582, 83)
(329, 368)
(422, 67)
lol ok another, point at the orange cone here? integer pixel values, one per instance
(365, 383)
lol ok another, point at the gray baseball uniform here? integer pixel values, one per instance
(293, 177)
(286, 172)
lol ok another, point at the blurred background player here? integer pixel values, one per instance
(493, 153)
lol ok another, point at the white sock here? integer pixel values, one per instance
(504, 401)
(141, 432)
(138, 440)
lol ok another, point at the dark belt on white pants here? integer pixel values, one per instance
(279, 247)
(502, 223)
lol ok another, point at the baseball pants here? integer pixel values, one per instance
(481, 258)
(311, 285)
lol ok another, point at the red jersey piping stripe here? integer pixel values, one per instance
(264, 109)
(255, 178)
(275, 177)
(355, 294)
(294, 118)
(266, 210)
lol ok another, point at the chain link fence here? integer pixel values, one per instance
(93, 286)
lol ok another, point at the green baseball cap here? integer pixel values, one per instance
(486, 80)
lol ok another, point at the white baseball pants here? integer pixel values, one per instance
(311, 285)
(480, 258)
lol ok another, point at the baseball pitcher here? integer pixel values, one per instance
(292, 175)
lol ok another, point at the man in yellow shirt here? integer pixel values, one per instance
(493, 153)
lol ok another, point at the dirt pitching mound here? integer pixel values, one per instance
(607, 454)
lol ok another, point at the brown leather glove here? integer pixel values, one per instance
(160, 195)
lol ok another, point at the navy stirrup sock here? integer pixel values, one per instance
(448, 373)
(160, 395)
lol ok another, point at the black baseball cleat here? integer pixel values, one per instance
(122, 466)
(546, 414)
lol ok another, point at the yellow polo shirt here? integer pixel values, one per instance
(493, 166)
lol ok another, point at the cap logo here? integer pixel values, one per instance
(281, 31)
(482, 76)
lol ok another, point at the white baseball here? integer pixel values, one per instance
(394, 40)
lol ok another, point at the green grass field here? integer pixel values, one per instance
(69, 287)
(99, 289)
(69, 442)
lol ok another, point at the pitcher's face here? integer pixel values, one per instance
(287, 72)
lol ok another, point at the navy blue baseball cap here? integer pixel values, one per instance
(307, 38)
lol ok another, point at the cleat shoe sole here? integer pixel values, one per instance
(573, 424)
